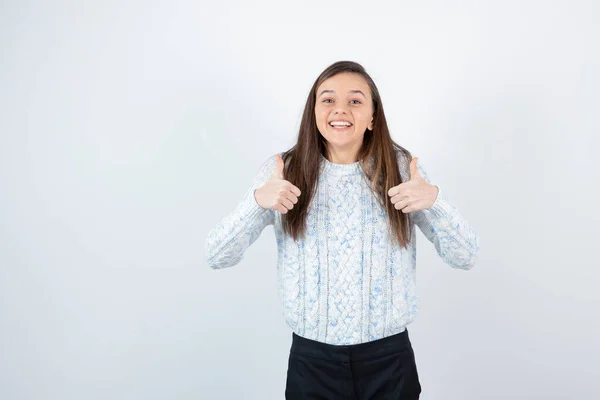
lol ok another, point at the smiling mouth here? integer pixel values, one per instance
(340, 126)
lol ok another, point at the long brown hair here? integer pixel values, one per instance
(302, 161)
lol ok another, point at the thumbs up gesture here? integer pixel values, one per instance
(277, 193)
(414, 195)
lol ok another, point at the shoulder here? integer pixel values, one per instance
(403, 157)
(271, 159)
(270, 163)
(402, 154)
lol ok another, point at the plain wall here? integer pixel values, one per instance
(129, 129)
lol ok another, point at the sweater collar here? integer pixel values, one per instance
(331, 168)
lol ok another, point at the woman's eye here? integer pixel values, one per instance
(330, 100)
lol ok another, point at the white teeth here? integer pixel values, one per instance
(339, 123)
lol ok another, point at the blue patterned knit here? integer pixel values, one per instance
(346, 282)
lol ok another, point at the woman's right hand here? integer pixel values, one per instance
(277, 194)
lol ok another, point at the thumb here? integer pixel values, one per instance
(414, 171)
(279, 168)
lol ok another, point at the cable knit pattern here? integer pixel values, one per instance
(346, 282)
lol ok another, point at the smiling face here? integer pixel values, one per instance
(343, 111)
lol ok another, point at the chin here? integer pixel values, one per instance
(344, 136)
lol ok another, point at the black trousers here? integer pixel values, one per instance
(380, 369)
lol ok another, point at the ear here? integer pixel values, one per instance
(370, 127)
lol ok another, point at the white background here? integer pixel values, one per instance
(128, 129)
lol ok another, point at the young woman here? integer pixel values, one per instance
(344, 202)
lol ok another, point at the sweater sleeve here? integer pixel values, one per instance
(452, 236)
(227, 242)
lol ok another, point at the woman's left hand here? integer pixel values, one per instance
(416, 194)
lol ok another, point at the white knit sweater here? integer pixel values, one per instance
(346, 282)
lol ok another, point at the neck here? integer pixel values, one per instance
(342, 156)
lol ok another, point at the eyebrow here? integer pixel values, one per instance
(349, 91)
